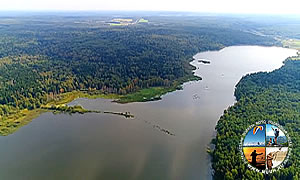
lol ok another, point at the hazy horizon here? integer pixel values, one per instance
(288, 7)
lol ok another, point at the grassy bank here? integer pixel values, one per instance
(155, 93)
(13, 122)
(149, 94)
(58, 104)
(10, 124)
(65, 98)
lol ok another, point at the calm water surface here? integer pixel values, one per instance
(103, 146)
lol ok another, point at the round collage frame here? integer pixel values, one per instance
(265, 147)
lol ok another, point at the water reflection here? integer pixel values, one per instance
(103, 146)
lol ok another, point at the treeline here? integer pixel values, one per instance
(271, 96)
(41, 58)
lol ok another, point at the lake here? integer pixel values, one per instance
(105, 146)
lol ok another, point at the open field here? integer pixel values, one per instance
(292, 43)
(126, 22)
(142, 20)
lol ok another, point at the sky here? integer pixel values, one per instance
(270, 131)
(212, 6)
(258, 137)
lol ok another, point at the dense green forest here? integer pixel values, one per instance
(44, 56)
(261, 96)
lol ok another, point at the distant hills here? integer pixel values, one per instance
(280, 139)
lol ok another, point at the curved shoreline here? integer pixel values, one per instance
(191, 120)
(15, 121)
(255, 98)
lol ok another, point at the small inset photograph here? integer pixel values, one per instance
(275, 137)
(256, 137)
(256, 156)
(275, 156)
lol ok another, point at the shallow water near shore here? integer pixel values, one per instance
(105, 146)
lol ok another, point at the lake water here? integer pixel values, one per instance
(104, 146)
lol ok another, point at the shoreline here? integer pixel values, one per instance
(258, 104)
(15, 121)
(211, 147)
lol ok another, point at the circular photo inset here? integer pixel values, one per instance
(265, 147)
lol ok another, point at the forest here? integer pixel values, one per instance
(271, 96)
(42, 57)
(49, 56)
